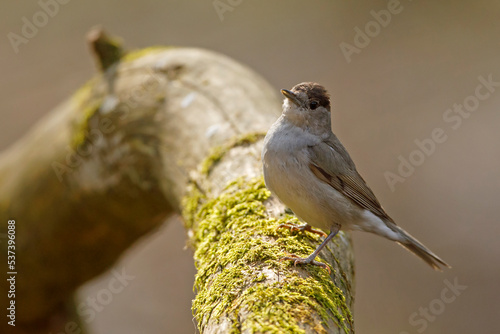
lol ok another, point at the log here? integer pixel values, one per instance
(241, 284)
(162, 131)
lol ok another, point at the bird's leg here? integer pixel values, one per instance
(310, 259)
(302, 228)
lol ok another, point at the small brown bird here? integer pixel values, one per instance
(310, 171)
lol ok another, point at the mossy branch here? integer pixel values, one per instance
(241, 284)
(112, 162)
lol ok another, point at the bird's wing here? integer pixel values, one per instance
(331, 163)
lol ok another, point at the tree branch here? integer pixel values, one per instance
(112, 162)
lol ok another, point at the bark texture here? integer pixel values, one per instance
(112, 162)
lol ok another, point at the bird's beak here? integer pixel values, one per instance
(291, 96)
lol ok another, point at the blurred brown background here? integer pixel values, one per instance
(395, 90)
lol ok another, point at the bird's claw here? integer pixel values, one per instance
(296, 259)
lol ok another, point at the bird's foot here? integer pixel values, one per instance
(308, 260)
(302, 228)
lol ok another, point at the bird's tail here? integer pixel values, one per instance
(417, 248)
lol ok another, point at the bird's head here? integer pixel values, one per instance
(307, 105)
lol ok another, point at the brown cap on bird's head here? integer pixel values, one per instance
(315, 92)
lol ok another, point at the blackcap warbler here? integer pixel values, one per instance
(310, 171)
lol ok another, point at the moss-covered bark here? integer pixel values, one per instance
(242, 286)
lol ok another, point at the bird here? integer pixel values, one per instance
(310, 171)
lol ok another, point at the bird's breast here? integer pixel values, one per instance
(287, 174)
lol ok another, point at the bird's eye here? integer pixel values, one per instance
(313, 105)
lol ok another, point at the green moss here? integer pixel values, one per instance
(136, 54)
(190, 205)
(84, 99)
(218, 152)
(214, 157)
(234, 240)
(82, 129)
